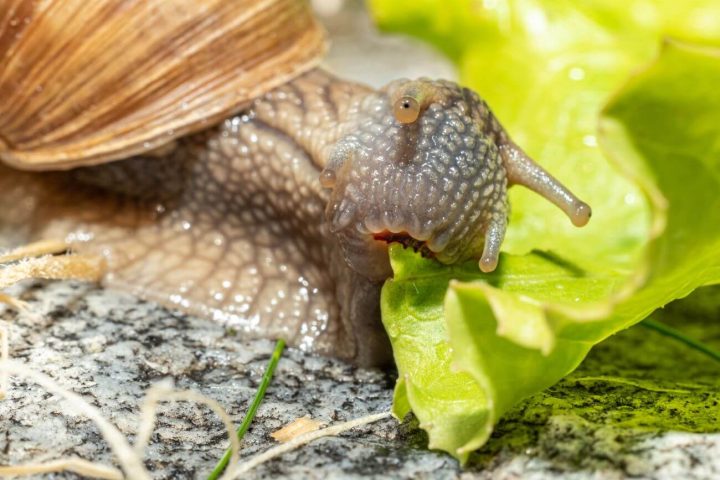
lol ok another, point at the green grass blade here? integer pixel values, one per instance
(274, 359)
(681, 337)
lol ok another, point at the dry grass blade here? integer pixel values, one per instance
(79, 267)
(163, 392)
(4, 357)
(47, 266)
(13, 302)
(37, 249)
(75, 465)
(246, 466)
(88, 268)
(130, 462)
(130, 459)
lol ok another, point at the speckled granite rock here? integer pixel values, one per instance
(110, 348)
(610, 419)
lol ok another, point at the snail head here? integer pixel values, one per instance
(425, 163)
(419, 167)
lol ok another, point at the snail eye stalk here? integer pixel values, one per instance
(406, 110)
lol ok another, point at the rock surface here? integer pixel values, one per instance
(629, 411)
(606, 420)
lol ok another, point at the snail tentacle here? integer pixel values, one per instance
(494, 237)
(522, 170)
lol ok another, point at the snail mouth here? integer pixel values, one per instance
(407, 241)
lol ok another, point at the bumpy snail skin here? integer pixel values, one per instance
(276, 222)
(426, 163)
(228, 226)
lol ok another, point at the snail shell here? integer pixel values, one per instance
(87, 81)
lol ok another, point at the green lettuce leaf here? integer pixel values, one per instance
(468, 346)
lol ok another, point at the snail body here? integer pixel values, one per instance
(273, 213)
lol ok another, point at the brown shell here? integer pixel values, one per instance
(88, 81)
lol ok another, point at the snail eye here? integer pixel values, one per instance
(406, 110)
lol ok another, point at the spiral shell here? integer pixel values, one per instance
(88, 81)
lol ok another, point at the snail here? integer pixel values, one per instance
(199, 148)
